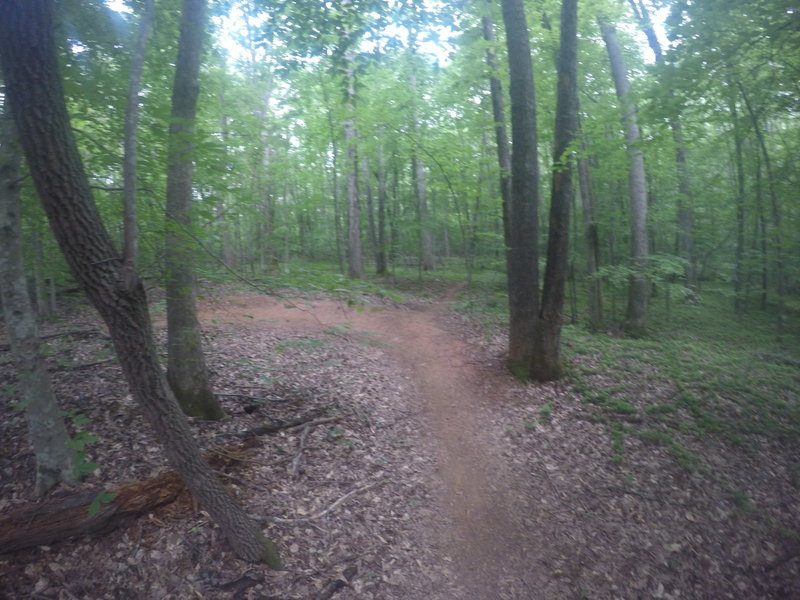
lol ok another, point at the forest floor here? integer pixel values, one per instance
(438, 476)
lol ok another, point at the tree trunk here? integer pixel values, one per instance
(592, 239)
(372, 230)
(418, 173)
(355, 262)
(186, 365)
(34, 91)
(130, 250)
(380, 255)
(636, 319)
(685, 197)
(55, 460)
(499, 115)
(738, 142)
(523, 254)
(546, 359)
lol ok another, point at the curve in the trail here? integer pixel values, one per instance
(481, 529)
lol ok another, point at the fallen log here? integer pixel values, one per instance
(60, 519)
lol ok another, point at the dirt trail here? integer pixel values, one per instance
(481, 531)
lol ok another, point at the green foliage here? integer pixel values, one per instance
(103, 497)
(79, 441)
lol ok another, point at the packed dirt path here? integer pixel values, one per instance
(481, 530)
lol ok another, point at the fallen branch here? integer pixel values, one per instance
(63, 518)
(278, 424)
(321, 513)
(51, 336)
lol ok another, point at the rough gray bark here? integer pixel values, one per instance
(55, 460)
(546, 362)
(129, 163)
(636, 319)
(186, 365)
(523, 254)
(29, 61)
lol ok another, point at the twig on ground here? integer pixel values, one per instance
(302, 446)
(321, 513)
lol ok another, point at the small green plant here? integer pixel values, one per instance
(546, 412)
(103, 497)
(79, 441)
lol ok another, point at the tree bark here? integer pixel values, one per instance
(546, 362)
(636, 319)
(130, 250)
(55, 460)
(35, 93)
(738, 158)
(186, 364)
(523, 254)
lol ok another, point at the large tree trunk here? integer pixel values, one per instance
(636, 320)
(499, 115)
(355, 262)
(34, 90)
(55, 460)
(523, 254)
(685, 197)
(186, 365)
(546, 359)
(130, 250)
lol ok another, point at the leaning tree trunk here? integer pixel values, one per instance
(34, 91)
(636, 320)
(186, 365)
(523, 254)
(546, 359)
(55, 460)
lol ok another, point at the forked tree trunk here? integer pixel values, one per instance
(186, 364)
(55, 460)
(636, 319)
(523, 254)
(34, 91)
(546, 362)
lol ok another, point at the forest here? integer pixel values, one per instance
(399, 299)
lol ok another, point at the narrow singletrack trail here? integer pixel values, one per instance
(482, 532)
